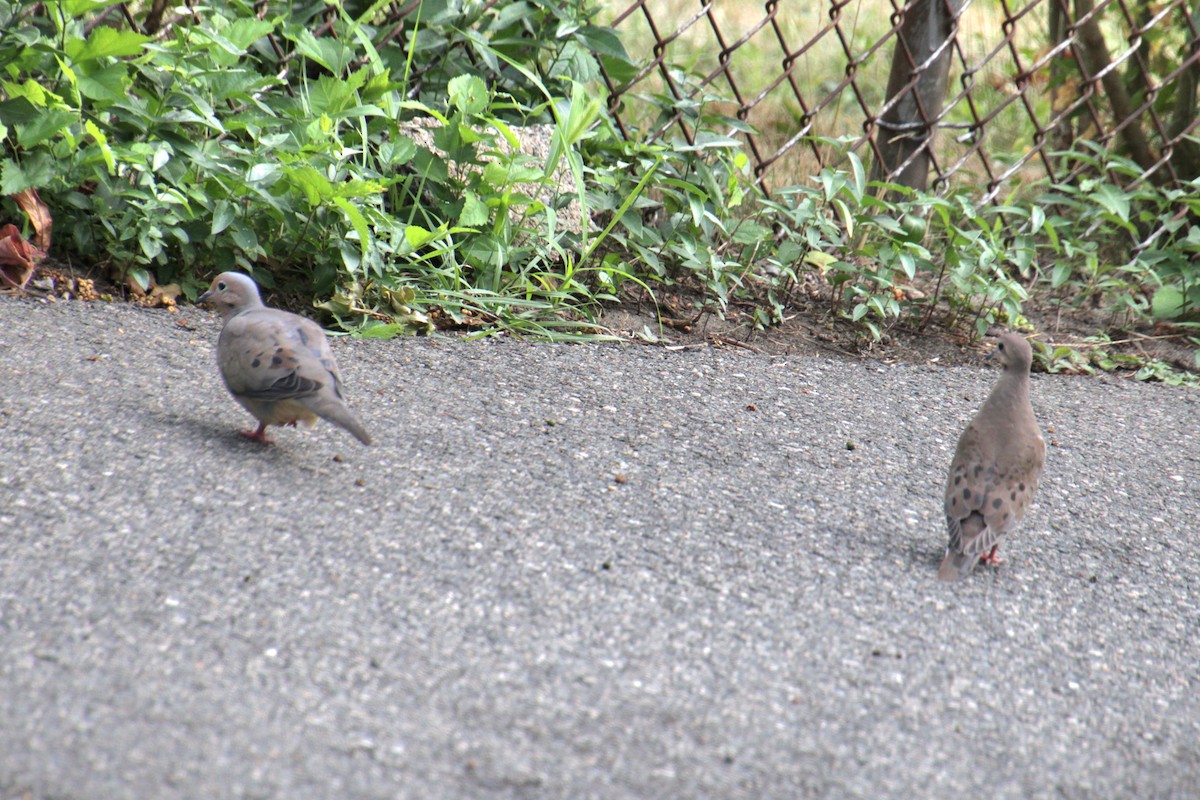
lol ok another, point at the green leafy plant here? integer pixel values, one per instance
(1097, 354)
(208, 149)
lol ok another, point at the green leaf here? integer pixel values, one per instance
(150, 240)
(47, 125)
(468, 93)
(245, 31)
(35, 170)
(820, 260)
(386, 330)
(602, 42)
(357, 221)
(245, 238)
(333, 96)
(19, 110)
(1060, 274)
(77, 8)
(1037, 218)
(1113, 200)
(326, 51)
(620, 70)
(1168, 303)
(315, 186)
(378, 86)
(750, 232)
(475, 212)
(584, 110)
(525, 172)
(106, 42)
(495, 175)
(417, 237)
(860, 175)
(847, 217)
(106, 152)
(430, 167)
(397, 152)
(223, 216)
(223, 52)
(108, 84)
(486, 251)
(357, 188)
(141, 276)
(161, 157)
(33, 93)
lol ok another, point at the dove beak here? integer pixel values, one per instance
(204, 297)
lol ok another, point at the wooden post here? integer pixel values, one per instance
(916, 90)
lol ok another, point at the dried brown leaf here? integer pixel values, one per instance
(39, 217)
(18, 257)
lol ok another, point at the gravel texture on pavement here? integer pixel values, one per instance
(576, 572)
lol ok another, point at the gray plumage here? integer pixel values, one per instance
(278, 365)
(996, 466)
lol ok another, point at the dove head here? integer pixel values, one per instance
(1014, 353)
(231, 293)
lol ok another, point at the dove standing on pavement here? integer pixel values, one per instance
(278, 365)
(996, 466)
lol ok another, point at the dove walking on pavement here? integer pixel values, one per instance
(278, 365)
(996, 466)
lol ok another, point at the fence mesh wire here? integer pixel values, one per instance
(1027, 80)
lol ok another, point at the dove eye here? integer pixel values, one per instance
(221, 286)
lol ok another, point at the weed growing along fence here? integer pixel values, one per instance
(1062, 134)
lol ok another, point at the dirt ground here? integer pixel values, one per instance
(811, 329)
(672, 320)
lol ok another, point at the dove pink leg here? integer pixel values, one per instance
(258, 435)
(991, 558)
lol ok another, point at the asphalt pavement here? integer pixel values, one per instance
(611, 571)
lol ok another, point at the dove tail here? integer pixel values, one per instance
(340, 415)
(956, 566)
(356, 428)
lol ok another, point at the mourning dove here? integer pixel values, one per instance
(996, 466)
(278, 365)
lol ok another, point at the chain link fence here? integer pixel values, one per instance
(981, 92)
(986, 93)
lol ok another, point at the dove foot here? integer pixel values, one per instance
(258, 435)
(991, 559)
